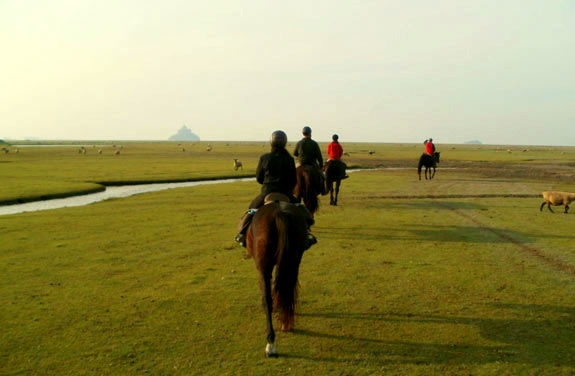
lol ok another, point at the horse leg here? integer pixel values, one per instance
(266, 285)
(549, 207)
(566, 208)
(433, 172)
(542, 205)
(337, 184)
(426, 169)
(330, 185)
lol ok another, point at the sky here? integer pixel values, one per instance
(498, 71)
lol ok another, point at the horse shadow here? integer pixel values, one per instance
(525, 338)
(435, 233)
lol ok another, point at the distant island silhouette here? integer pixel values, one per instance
(185, 134)
(473, 142)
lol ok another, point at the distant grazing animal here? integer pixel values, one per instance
(114, 146)
(209, 148)
(238, 164)
(556, 199)
(6, 150)
(100, 151)
(17, 151)
(334, 173)
(429, 161)
(117, 152)
(309, 186)
(371, 152)
(276, 238)
(184, 150)
(346, 154)
(509, 150)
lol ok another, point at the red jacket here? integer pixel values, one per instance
(429, 148)
(334, 150)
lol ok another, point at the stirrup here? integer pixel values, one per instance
(310, 240)
(241, 239)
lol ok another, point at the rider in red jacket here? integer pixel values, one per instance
(429, 147)
(335, 151)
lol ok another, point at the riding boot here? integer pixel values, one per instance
(245, 222)
(310, 239)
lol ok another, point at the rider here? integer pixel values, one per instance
(335, 151)
(308, 154)
(430, 147)
(276, 173)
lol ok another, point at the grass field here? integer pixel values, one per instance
(153, 284)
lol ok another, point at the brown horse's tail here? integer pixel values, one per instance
(309, 188)
(420, 164)
(286, 281)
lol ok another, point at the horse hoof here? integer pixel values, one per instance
(271, 351)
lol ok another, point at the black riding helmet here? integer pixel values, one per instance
(335, 137)
(278, 139)
(306, 131)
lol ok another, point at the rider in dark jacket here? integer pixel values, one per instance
(307, 150)
(308, 154)
(276, 173)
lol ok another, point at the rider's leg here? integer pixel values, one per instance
(310, 238)
(246, 219)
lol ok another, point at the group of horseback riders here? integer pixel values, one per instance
(276, 172)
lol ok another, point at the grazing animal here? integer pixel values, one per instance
(100, 151)
(276, 238)
(238, 164)
(6, 150)
(209, 148)
(346, 154)
(334, 171)
(17, 151)
(184, 150)
(117, 152)
(309, 186)
(371, 152)
(556, 199)
(429, 161)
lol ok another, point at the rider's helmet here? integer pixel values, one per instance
(335, 137)
(278, 139)
(306, 131)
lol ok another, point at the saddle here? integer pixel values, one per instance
(275, 197)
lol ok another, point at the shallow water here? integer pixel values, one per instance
(110, 192)
(127, 191)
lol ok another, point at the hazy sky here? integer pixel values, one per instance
(501, 71)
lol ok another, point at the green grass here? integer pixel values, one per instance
(154, 284)
(40, 172)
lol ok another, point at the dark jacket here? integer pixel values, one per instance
(276, 172)
(308, 153)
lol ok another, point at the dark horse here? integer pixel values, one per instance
(334, 171)
(309, 186)
(429, 161)
(276, 237)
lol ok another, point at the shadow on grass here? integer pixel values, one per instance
(418, 204)
(537, 342)
(435, 233)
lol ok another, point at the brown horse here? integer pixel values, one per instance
(334, 172)
(276, 237)
(309, 186)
